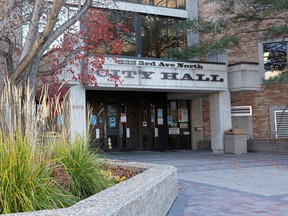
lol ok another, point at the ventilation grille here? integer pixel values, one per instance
(281, 123)
(241, 110)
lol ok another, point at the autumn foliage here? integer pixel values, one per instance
(83, 52)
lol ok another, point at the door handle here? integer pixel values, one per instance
(121, 129)
(105, 129)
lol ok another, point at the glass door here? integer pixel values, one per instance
(112, 125)
(178, 122)
(97, 125)
(148, 125)
(123, 135)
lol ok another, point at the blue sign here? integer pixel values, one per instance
(93, 120)
(170, 120)
(112, 122)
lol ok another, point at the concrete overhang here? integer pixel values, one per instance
(244, 76)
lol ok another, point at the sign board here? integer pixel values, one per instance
(123, 118)
(160, 74)
(174, 131)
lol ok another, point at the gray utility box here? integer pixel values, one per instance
(235, 141)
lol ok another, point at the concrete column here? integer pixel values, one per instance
(220, 119)
(77, 110)
(197, 122)
(192, 10)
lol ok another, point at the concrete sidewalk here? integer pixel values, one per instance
(222, 184)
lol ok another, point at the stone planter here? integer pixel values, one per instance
(151, 192)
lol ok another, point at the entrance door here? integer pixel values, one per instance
(148, 125)
(132, 125)
(130, 120)
(121, 129)
(153, 133)
(112, 125)
(178, 124)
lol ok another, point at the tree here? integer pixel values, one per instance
(222, 26)
(33, 33)
(40, 38)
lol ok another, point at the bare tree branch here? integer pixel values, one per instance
(66, 25)
(40, 41)
(47, 37)
(33, 27)
(10, 17)
(9, 54)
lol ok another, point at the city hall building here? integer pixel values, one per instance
(160, 103)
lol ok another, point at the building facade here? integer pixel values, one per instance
(261, 113)
(160, 103)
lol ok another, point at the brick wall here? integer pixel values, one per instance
(206, 119)
(269, 95)
(250, 33)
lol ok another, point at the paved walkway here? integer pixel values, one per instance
(221, 184)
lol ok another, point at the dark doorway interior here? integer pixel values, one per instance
(130, 120)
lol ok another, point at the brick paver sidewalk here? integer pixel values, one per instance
(216, 185)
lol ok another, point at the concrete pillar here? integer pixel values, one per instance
(77, 110)
(192, 10)
(220, 118)
(197, 122)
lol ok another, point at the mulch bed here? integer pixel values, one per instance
(124, 172)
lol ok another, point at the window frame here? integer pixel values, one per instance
(165, 3)
(261, 52)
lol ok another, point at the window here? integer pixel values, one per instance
(162, 3)
(129, 34)
(275, 58)
(139, 34)
(281, 123)
(165, 3)
(158, 34)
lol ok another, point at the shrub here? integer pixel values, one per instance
(82, 165)
(25, 178)
(39, 172)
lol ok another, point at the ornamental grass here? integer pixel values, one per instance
(40, 171)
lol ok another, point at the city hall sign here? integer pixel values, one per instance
(130, 74)
(160, 74)
(164, 70)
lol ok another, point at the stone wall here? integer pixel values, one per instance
(277, 146)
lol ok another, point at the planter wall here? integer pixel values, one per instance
(149, 193)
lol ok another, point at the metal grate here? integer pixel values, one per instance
(281, 123)
(241, 110)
